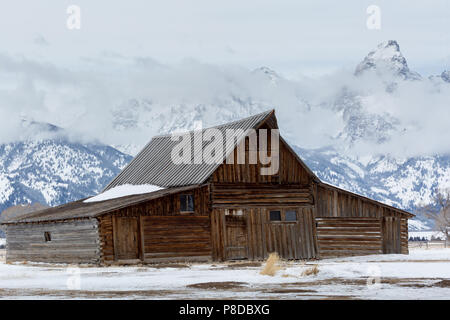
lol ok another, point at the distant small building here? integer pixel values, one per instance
(212, 211)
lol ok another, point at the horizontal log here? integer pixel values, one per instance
(348, 229)
(354, 241)
(347, 219)
(202, 258)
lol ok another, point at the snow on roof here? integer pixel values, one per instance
(122, 191)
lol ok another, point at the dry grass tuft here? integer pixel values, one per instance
(311, 271)
(272, 265)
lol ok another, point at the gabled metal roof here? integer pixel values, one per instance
(154, 165)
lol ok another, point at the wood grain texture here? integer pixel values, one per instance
(291, 240)
(342, 236)
(71, 242)
(290, 170)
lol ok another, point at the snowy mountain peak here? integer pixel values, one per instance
(52, 170)
(267, 72)
(387, 59)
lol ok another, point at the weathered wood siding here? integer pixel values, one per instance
(404, 236)
(259, 195)
(345, 236)
(106, 238)
(176, 237)
(380, 229)
(332, 203)
(391, 231)
(291, 240)
(74, 241)
(290, 170)
(164, 232)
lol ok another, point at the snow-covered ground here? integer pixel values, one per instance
(423, 274)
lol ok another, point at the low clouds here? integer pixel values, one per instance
(121, 100)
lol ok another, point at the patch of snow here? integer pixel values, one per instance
(417, 225)
(6, 189)
(122, 191)
(378, 190)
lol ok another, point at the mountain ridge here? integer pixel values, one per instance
(55, 168)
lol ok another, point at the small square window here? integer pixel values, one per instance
(186, 203)
(291, 215)
(47, 236)
(275, 215)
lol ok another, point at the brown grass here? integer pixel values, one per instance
(272, 265)
(443, 284)
(311, 271)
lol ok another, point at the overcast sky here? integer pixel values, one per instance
(200, 52)
(293, 37)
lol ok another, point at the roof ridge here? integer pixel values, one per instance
(153, 163)
(166, 135)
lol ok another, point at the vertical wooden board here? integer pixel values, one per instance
(214, 234)
(279, 239)
(302, 233)
(219, 236)
(259, 252)
(398, 236)
(250, 234)
(285, 241)
(115, 240)
(315, 240)
(263, 223)
(272, 243)
(141, 236)
(335, 203)
(292, 241)
(274, 236)
(298, 235)
(307, 231)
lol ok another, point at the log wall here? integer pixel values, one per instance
(336, 209)
(343, 236)
(74, 241)
(176, 237)
(260, 195)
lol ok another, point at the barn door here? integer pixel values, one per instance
(235, 235)
(391, 235)
(126, 238)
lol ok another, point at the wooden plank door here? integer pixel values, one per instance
(126, 238)
(236, 246)
(391, 235)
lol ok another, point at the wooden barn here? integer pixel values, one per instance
(212, 211)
